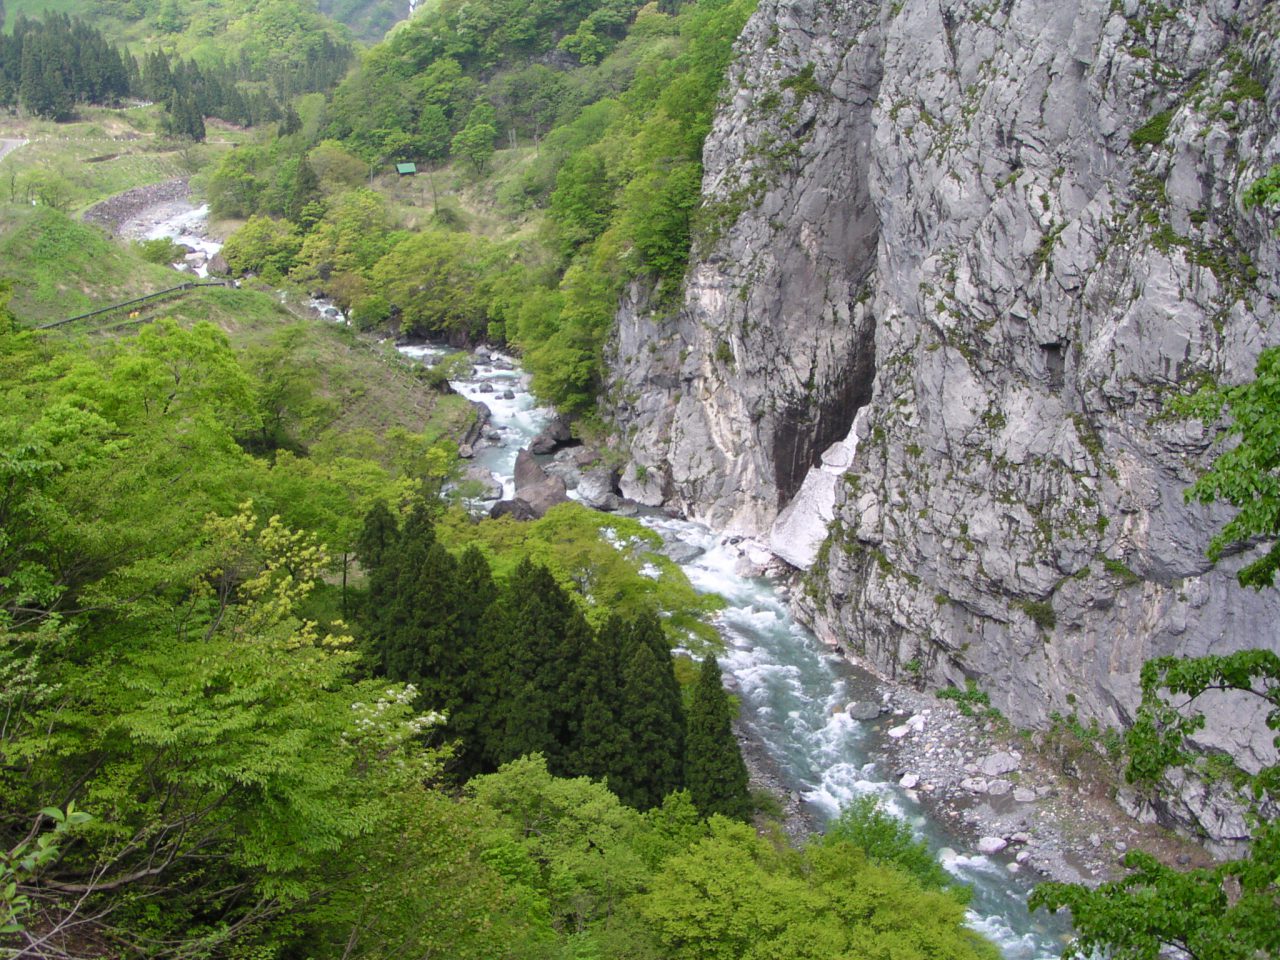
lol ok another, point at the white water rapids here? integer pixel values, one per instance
(793, 689)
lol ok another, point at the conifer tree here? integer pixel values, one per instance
(651, 714)
(714, 770)
(416, 635)
(377, 537)
(304, 190)
(602, 745)
(290, 123)
(535, 639)
(472, 698)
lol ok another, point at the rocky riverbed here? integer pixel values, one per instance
(1040, 803)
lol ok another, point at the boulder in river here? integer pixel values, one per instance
(554, 435)
(597, 490)
(535, 487)
(990, 845)
(679, 551)
(490, 487)
(517, 509)
(218, 266)
(863, 710)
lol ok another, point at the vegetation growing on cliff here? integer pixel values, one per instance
(1229, 911)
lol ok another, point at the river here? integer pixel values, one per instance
(793, 689)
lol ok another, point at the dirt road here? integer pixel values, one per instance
(8, 146)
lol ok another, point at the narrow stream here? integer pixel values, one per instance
(793, 689)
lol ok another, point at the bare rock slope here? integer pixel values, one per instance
(967, 251)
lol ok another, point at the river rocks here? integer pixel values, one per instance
(479, 425)
(597, 490)
(488, 486)
(516, 509)
(863, 710)
(680, 552)
(991, 845)
(554, 435)
(1023, 795)
(998, 787)
(998, 763)
(113, 213)
(535, 487)
(909, 781)
(913, 725)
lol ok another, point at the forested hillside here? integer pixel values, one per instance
(223, 733)
(582, 124)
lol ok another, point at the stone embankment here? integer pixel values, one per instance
(113, 213)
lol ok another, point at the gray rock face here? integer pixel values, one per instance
(539, 491)
(1006, 234)
(553, 436)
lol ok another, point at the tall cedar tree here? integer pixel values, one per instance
(535, 637)
(714, 771)
(651, 714)
(470, 705)
(416, 642)
(376, 545)
(603, 745)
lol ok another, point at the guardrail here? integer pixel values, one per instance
(136, 301)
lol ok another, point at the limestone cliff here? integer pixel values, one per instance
(999, 235)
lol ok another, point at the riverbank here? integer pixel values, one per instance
(154, 202)
(1039, 803)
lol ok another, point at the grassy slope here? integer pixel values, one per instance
(60, 267)
(36, 8)
(104, 153)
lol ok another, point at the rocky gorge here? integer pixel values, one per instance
(956, 257)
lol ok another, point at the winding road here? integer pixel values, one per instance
(8, 146)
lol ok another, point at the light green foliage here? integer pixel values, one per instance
(1153, 132)
(1245, 475)
(570, 541)
(23, 863)
(865, 824)
(344, 246)
(771, 901)
(265, 247)
(160, 250)
(435, 280)
(474, 143)
(1265, 191)
(578, 837)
